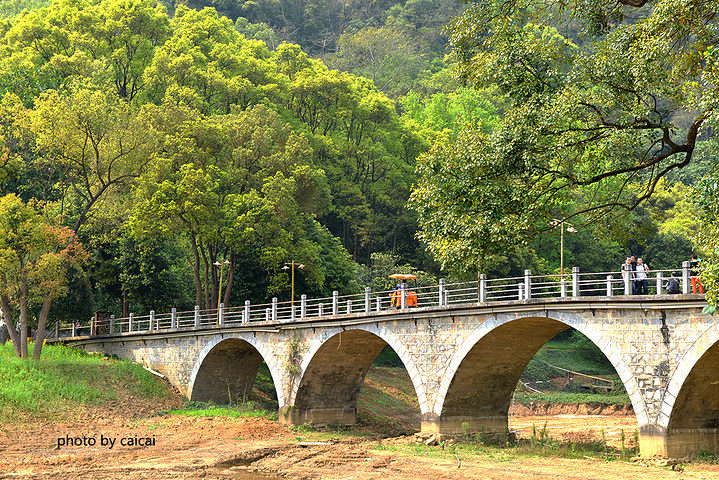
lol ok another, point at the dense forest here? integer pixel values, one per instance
(166, 137)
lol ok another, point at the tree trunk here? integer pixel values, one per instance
(208, 297)
(196, 270)
(11, 328)
(23, 318)
(41, 325)
(230, 278)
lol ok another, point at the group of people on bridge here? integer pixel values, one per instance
(637, 272)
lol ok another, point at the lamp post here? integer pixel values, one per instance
(570, 229)
(219, 287)
(291, 266)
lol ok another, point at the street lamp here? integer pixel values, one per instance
(291, 266)
(219, 288)
(570, 229)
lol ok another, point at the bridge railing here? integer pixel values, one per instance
(570, 284)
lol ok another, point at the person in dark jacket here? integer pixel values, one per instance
(672, 284)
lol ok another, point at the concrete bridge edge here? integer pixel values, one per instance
(267, 356)
(382, 332)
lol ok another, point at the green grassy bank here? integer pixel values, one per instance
(65, 379)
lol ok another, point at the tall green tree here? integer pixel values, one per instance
(209, 65)
(109, 42)
(231, 183)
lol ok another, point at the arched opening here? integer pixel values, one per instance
(481, 392)
(332, 381)
(228, 373)
(694, 421)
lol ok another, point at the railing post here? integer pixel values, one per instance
(367, 299)
(73, 329)
(349, 307)
(197, 316)
(247, 312)
(685, 276)
(403, 296)
(563, 287)
(378, 303)
(627, 282)
(303, 306)
(274, 309)
(129, 322)
(660, 278)
(482, 287)
(268, 314)
(335, 302)
(173, 318)
(441, 292)
(112, 324)
(609, 286)
(92, 326)
(527, 284)
(57, 328)
(575, 281)
(520, 288)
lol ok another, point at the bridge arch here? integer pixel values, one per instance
(333, 369)
(688, 419)
(479, 381)
(227, 365)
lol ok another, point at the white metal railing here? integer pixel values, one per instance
(572, 284)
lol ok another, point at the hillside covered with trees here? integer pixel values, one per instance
(168, 137)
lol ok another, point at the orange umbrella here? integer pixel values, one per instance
(403, 276)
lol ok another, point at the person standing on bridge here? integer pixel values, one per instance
(628, 273)
(641, 278)
(696, 281)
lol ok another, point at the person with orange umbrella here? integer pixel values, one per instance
(396, 296)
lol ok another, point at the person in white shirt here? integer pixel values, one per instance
(628, 271)
(640, 274)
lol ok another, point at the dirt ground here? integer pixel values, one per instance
(181, 447)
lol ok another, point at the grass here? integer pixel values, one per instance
(540, 444)
(571, 398)
(241, 409)
(65, 379)
(573, 351)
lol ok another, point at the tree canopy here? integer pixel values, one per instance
(592, 121)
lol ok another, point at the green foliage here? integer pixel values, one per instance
(705, 195)
(588, 124)
(386, 55)
(208, 65)
(11, 8)
(441, 116)
(388, 358)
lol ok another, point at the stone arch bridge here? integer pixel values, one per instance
(464, 359)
